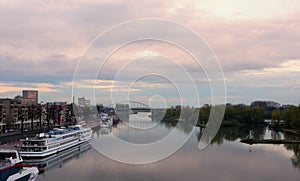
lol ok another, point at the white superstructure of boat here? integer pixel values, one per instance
(59, 139)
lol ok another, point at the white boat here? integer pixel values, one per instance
(106, 122)
(59, 159)
(103, 115)
(11, 168)
(57, 140)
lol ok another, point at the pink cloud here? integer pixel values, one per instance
(41, 87)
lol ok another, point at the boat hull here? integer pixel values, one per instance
(26, 173)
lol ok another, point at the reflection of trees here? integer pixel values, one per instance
(182, 125)
(187, 120)
(234, 133)
(157, 115)
(295, 159)
(275, 135)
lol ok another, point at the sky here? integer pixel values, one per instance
(46, 45)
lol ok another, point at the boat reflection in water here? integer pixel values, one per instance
(102, 132)
(105, 131)
(57, 160)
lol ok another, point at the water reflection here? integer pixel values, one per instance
(131, 132)
(59, 159)
(107, 131)
(225, 159)
(295, 159)
(233, 134)
(186, 122)
(238, 133)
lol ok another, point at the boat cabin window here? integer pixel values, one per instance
(4, 156)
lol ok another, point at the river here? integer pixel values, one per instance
(224, 159)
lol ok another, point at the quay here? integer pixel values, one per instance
(10, 140)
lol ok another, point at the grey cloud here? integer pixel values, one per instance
(51, 69)
(37, 38)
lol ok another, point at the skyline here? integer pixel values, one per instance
(255, 42)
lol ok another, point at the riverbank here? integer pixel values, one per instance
(290, 131)
(269, 141)
(9, 141)
(16, 136)
(201, 125)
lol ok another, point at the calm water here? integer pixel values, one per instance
(224, 159)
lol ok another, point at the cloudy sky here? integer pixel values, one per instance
(256, 42)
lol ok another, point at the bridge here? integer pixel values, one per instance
(124, 109)
(134, 114)
(132, 107)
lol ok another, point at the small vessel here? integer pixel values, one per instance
(58, 139)
(103, 115)
(12, 169)
(107, 122)
(115, 120)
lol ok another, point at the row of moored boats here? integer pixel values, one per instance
(42, 145)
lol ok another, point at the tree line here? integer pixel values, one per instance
(244, 115)
(288, 118)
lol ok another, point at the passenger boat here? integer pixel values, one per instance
(12, 169)
(59, 159)
(59, 139)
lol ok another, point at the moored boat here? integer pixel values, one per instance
(12, 169)
(57, 160)
(58, 139)
(107, 122)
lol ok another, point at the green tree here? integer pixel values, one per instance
(295, 123)
(291, 117)
(204, 112)
(9, 122)
(275, 116)
(169, 113)
(245, 115)
(229, 114)
(288, 116)
(259, 115)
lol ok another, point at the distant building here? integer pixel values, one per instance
(269, 104)
(178, 107)
(30, 96)
(286, 106)
(58, 103)
(82, 102)
(20, 99)
(11, 111)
